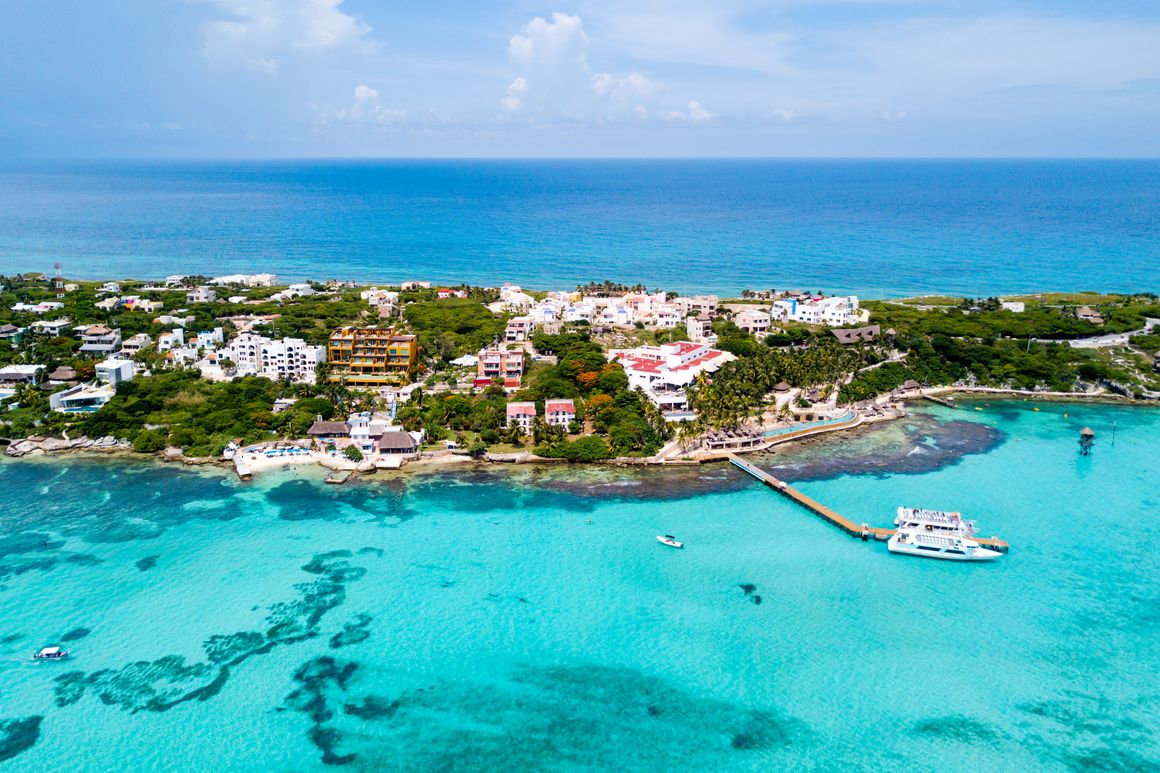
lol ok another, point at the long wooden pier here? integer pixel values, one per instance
(860, 530)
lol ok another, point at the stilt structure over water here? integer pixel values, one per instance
(862, 531)
(1087, 439)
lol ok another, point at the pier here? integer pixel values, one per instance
(949, 402)
(859, 530)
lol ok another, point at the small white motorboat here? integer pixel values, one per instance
(670, 540)
(912, 542)
(51, 653)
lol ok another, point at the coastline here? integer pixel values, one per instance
(431, 463)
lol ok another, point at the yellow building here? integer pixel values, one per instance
(371, 356)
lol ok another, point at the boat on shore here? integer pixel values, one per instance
(912, 542)
(670, 540)
(934, 521)
(51, 653)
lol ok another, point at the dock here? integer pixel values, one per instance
(947, 401)
(338, 477)
(859, 530)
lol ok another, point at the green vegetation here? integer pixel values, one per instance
(452, 327)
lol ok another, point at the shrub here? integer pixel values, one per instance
(352, 453)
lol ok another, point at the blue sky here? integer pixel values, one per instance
(260, 78)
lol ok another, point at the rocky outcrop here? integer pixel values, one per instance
(38, 445)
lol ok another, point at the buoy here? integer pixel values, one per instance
(1036, 409)
(1065, 415)
(977, 408)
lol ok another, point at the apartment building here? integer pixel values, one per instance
(372, 356)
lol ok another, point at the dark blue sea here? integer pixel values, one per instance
(874, 227)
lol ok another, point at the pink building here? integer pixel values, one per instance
(559, 413)
(496, 362)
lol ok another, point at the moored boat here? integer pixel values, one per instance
(670, 540)
(50, 653)
(934, 521)
(912, 542)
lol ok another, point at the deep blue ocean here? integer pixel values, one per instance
(877, 228)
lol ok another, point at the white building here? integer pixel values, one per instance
(522, 415)
(83, 398)
(836, 311)
(20, 374)
(109, 287)
(755, 321)
(201, 294)
(210, 339)
(113, 371)
(289, 358)
(246, 280)
(171, 340)
(1016, 306)
(374, 296)
(519, 329)
(134, 344)
(700, 329)
(698, 304)
(54, 327)
(39, 308)
(664, 371)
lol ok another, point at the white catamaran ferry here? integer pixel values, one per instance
(934, 521)
(913, 542)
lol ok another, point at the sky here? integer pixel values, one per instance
(586, 78)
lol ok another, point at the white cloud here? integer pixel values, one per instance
(367, 110)
(559, 41)
(623, 88)
(693, 112)
(515, 92)
(890, 116)
(259, 33)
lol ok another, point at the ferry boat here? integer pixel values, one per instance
(50, 653)
(670, 540)
(930, 545)
(934, 521)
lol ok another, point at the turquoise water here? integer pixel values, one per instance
(879, 228)
(528, 620)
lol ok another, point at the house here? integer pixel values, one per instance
(371, 356)
(754, 321)
(283, 403)
(856, 335)
(52, 328)
(447, 292)
(396, 442)
(203, 294)
(171, 340)
(375, 297)
(134, 344)
(1014, 306)
(816, 310)
(170, 319)
(697, 304)
(246, 280)
(210, 339)
(146, 305)
(62, 375)
(559, 412)
(99, 339)
(522, 415)
(519, 329)
(328, 430)
(11, 334)
(359, 427)
(1088, 314)
(700, 329)
(39, 308)
(20, 374)
(113, 371)
(108, 304)
(662, 372)
(82, 398)
(496, 362)
(109, 287)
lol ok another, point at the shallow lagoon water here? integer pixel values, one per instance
(529, 620)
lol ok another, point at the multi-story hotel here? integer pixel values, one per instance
(372, 356)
